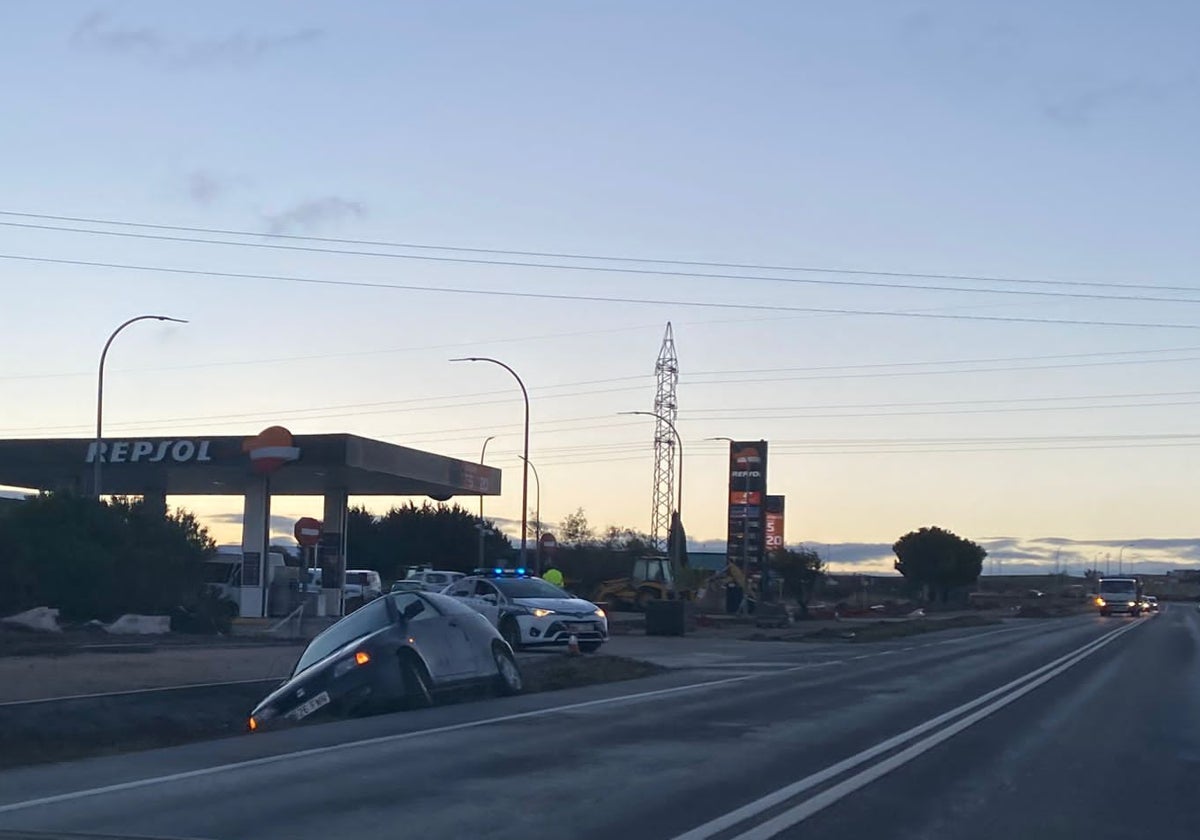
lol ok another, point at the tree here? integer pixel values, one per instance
(574, 530)
(801, 571)
(93, 559)
(937, 561)
(445, 536)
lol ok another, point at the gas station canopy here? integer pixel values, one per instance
(303, 465)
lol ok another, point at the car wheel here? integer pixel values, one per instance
(510, 631)
(589, 647)
(418, 691)
(508, 675)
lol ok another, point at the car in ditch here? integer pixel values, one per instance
(399, 651)
(531, 612)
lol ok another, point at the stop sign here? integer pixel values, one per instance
(549, 543)
(308, 531)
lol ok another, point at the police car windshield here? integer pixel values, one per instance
(529, 588)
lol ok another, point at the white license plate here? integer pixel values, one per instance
(580, 627)
(308, 706)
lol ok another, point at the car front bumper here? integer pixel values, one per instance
(558, 630)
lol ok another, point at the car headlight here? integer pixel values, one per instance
(1100, 602)
(538, 612)
(1131, 604)
(601, 613)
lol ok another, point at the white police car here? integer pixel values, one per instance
(529, 612)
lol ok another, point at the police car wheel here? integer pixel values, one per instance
(510, 631)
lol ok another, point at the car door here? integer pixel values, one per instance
(437, 636)
(486, 599)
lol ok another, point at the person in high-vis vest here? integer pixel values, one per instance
(553, 575)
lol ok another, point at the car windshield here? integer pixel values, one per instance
(529, 588)
(360, 578)
(1117, 587)
(218, 572)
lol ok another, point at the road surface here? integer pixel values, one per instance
(1081, 727)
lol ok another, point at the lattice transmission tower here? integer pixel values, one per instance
(666, 370)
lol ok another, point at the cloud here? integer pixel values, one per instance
(312, 214)
(1080, 107)
(281, 525)
(205, 187)
(98, 32)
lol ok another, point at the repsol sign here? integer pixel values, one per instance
(183, 451)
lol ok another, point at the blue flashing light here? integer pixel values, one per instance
(498, 571)
(520, 571)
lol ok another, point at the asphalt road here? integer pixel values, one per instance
(1060, 728)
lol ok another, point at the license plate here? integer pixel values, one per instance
(308, 707)
(580, 627)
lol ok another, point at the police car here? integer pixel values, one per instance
(529, 612)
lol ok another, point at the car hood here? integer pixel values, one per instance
(567, 606)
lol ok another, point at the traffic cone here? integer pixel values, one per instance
(573, 645)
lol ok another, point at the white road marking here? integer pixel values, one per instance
(778, 797)
(825, 798)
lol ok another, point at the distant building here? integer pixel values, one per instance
(1184, 575)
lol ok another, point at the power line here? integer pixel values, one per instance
(576, 256)
(580, 298)
(192, 240)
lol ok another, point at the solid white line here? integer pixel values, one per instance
(782, 795)
(382, 739)
(825, 798)
(128, 692)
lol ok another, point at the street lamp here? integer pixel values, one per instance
(99, 457)
(482, 453)
(1121, 559)
(525, 470)
(679, 442)
(537, 516)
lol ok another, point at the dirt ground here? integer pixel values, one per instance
(36, 677)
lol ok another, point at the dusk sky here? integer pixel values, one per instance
(1042, 155)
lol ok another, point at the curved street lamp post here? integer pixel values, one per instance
(537, 517)
(482, 453)
(99, 456)
(525, 471)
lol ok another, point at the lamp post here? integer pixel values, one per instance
(525, 457)
(482, 453)
(99, 455)
(1121, 560)
(679, 442)
(537, 516)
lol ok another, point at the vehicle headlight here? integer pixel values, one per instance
(1131, 604)
(601, 613)
(1100, 602)
(538, 612)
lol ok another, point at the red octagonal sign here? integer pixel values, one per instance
(308, 531)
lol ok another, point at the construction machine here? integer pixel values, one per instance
(653, 578)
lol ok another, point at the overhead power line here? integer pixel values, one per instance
(658, 272)
(413, 246)
(584, 298)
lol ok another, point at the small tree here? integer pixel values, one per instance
(801, 571)
(574, 530)
(936, 561)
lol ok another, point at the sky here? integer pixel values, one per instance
(1020, 178)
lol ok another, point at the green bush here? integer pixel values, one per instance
(94, 559)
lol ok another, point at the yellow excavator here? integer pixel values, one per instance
(653, 578)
